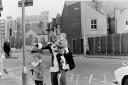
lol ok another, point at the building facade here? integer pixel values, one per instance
(119, 21)
(11, 27)
(81, 20)
(3, 29)
(37, 23)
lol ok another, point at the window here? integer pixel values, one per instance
(94, 24)
(126, 22)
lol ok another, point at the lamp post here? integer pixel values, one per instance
(22, 4)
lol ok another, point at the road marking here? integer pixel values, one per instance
(94, 79)
(14, 69)
(15, 76)
(77, 79)
(105, 80)
(71, 78)
(31, 83)
(90, 78)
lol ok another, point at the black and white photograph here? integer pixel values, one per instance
(63, 42)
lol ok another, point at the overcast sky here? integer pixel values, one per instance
(10, 7)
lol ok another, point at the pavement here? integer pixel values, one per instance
(102, 56)
(10, 79)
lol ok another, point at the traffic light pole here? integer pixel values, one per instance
(24, 71)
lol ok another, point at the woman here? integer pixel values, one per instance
(54, 68)
(64, 56)
(62, 45)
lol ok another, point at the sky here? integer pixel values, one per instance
(10, 7)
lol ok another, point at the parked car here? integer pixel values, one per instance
(121, 74)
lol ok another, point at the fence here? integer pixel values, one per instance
(116, 44)
(77, 46)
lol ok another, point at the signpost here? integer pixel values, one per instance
(27, 3)
(22, 4)
(1, 57)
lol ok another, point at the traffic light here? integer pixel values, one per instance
(27, 3)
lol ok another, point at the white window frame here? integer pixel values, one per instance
(93, 24)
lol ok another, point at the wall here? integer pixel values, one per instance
(89, 13)
(71, 22)
(121, 22)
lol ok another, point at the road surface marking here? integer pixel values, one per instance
(20, 78)
(105, 80)
(71, 78)
(90, 78)
(77, 78)
(15, 76)
(14, 69)
(94, 79)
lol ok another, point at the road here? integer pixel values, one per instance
(88, 71)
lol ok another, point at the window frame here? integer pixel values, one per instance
(93, 24)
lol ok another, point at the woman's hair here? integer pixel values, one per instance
(63, 35)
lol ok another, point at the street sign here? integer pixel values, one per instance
(1, 7)
(27, 3)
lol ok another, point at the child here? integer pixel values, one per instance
(37, 69)
(62, 45)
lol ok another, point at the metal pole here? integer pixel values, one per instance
(113, 44)
(106, 39)
(1, 70)
(24, 71)
(120, 44)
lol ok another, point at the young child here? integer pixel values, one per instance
(62, 45)
(37, 69)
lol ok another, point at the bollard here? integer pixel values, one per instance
(1, 65)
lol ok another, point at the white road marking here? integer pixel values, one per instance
(90, 78)
(71, 78)
(31, 83)
(15, 76)
(77, 78)
(105, 80)
(94, 79)
(14, 69)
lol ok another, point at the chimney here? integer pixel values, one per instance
(95, 1)
(98, 6)
(116, 13)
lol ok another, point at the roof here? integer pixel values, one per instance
(107, 6)
(36, 29)
(70, 2)
(88, 3)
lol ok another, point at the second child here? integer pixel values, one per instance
(37, 69)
